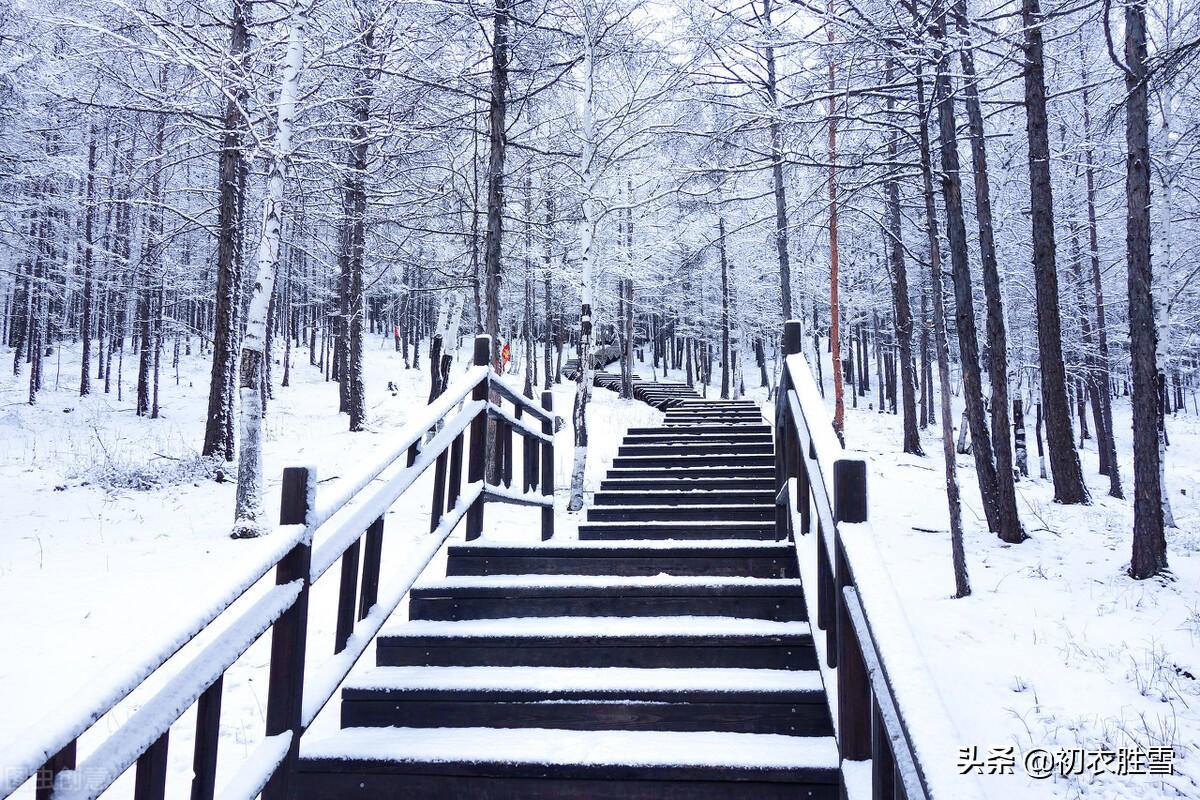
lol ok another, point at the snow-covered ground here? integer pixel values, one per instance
(1055, 648)
(115, 533)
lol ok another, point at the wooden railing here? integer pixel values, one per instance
(313, 537)
(821, 505)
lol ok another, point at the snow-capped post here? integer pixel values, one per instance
(289, 635)
(477, 465)
(248, 516)
(548, 465)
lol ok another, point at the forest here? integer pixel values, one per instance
(986, 204)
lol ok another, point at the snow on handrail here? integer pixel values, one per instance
(519, 424)
(322, 685)
(411, 434)
(518, 498)
(372, 508)
(119, 751)
(905, 672)
(78, 713)
(258, 768)
(518, 399)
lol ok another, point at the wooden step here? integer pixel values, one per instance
(683, 531)
(689, 447)
(785, 702)
(695, 472)
(684, 437)
(640, 642)
(725, 558)
(658, 482)
(683, 496)
(727, 512)
(508, 596)
(540, 763)
(734, 460)
(720, 430)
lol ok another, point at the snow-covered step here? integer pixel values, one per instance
(695, 448)
(788, 702)
(684, 496)
(684, 435)
(671, 529)
(641, 642)
(553, 763)
(504, 596)
(722, 460)
(708, 430)
(718, 558)
(760, 473)
(622, 481)
(732, 512)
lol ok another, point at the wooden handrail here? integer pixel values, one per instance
(344, 529)
(817, 486)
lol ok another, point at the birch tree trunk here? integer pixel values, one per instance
(249, 515)
(587, 232)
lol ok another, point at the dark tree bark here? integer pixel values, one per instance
(962, 581)
(964, 303)
(899, 273)
(85, 311)
(1103, 380)
(1064, 459)
(1009, 520)
(497, 144)
(1149, 541)
(150, 267)
(219, 427)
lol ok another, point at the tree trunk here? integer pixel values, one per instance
(85, 312)
(1009, 520)
(904, 320)
(957, 550)
(218, 429)
(1149, 541)
(964, 304)
(1064, 460)
(587, 233)
(835, 343)
(249, 515)
(724, 306)
(776, 134)
(497, 144)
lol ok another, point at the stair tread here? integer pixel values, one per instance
(516, 746)
(597, 680)
(611, 582)
(672, 627)
(682, 545)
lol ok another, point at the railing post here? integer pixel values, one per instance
(853, 684)
(208, 729)
(285, 692)
(883, 759)
(784, 443)
(547, 470)
(850, 490)
(477, 464)
(61, 761)
(372, 555)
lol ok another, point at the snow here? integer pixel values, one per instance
(544, 627)
(116, 527)
(583, 679)
(604, 581)
(585, 748)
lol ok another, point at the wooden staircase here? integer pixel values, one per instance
(666, 654)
